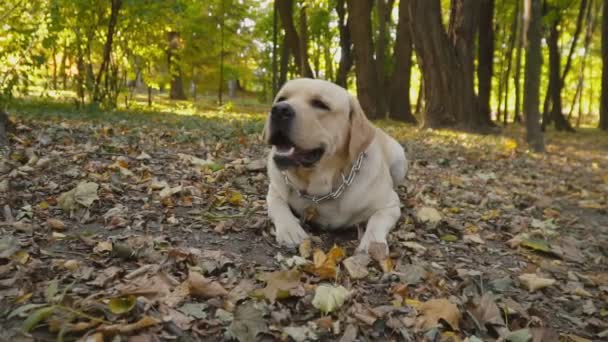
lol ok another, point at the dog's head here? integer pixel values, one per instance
(312, 120)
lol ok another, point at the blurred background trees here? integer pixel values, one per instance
(443, 63)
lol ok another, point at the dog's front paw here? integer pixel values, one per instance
(290, 235)
(366, 242)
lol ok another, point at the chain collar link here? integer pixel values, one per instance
(346, 182)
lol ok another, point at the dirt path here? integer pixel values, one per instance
(171, 232)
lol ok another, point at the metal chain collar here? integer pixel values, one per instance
(346, 182)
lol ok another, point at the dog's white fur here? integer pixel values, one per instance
(344, 131)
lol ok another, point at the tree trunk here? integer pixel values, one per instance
(54, 55)
(107, 50)
(177, 84)
(303, 61)
(446, 62)
(509, 57)
(532, 30)
(590, 29)
(384, 10)
(359, 12)
(555, 82)
(6, 126)
(485, 59)
(603, 124)
(220, 86)
(275, 49)
(64, 74)
(292, 38)
(346, 60)
(438, 64)
(517, 74)
(400, 107)
(284, 62)
(420, 97)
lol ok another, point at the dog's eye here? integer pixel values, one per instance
(281, 99)
(319, 104)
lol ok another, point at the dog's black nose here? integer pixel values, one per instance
(282, 113)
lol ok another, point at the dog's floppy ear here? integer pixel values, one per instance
(361, 130)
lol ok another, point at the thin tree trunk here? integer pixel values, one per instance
(420, 97)
(64, 74)
(107, 51)
(509, 57)
(304, 63)
(292, 38)
(54, 55)
(359, 12)
(557, 115)
(485, 57)
(275, 48)
(175, 71)
(346, 60)
(603, 124)
(400, 107)
(532, 24)
(517, 74)
(384, 10)
(284, 62)
(220, 87)
(589, 31)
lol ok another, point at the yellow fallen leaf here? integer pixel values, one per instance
(533, 282)
(55, 224)
(203, 287)
(103, 246)
(324, 265)
(279, 285)
(143, 323)
(434, 310)
(510, 145)
(305, 249)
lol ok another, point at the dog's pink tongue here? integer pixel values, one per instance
(285, 151)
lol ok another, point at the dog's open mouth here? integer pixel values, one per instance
(288, 154)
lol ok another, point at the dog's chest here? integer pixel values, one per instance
(331, 214)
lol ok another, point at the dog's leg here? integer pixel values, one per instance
(288, 230)
(380, 224)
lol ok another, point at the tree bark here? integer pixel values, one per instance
(359, 12)
(177, 84)
(304, 60)
(517, 74)
(284, 62)
(346, 60)
(590, 28)
(555, 81)
(285, 8)
(6, 127)
(107, 50)
(532, 29)
(446, 62)
(603, 124)
(399, 85)
(437, 62)
(485, 59)
(509, 58)
(384, 9)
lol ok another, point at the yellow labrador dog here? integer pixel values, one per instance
(329, 165)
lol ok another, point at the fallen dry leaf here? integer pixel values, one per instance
(533, 282)
(328, 298)
(203, 287)
(434, 311)
(280, 285)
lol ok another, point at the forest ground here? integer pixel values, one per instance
(169, 237)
